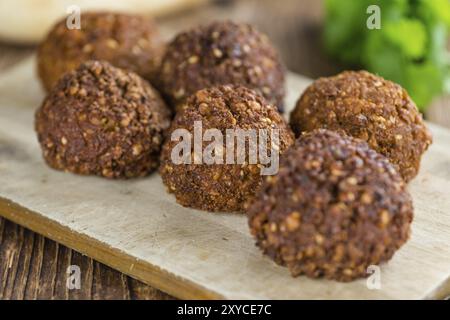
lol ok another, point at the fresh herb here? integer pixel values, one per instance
(410, 47)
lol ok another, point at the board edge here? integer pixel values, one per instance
(136, 268)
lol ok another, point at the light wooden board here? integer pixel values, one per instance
(135, 227)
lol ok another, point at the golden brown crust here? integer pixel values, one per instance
(101, 120)
(335, 208)
(126, 41)
(220, 187)
(222, 53)
(370, 108)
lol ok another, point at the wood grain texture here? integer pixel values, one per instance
(294, 27)
(35, 268)
(137, 228)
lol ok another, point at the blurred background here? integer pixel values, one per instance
(314, 37)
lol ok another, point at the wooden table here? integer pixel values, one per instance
(33, 267)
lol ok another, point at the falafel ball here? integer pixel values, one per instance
(221, 53)
(124, 40)
(335, 208)
(368, 107)
(228, 185)
(104, 121)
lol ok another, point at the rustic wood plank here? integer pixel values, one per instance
(109, 283)
(37, 254)
(12, 254)
(141, 291)
(36, 267)
(2, 228)
(23, 264)
(47, 280)
(87, 277)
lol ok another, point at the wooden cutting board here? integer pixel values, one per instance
(136, 227)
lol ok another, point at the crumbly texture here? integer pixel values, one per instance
(101, 120)
(222, 53)
(368, 107)
(220, 187)
(335, 208)
(126, 41)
